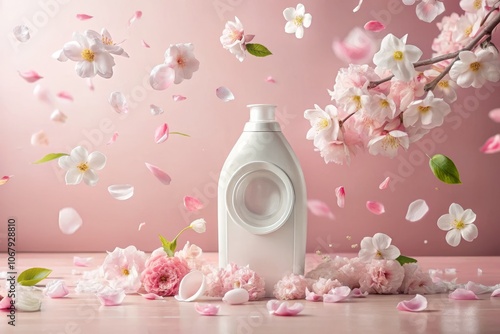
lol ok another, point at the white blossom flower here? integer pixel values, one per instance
(429, 112)
(181, 59)
(397, 57)
(199, 225)
(467, 27)
(81, 165)
(381, 107)
(91, 56)
(459, 224)
(123, 267)
(107, 41)
(324, 123)
(378, 247)
(388, 143)
(297, 19)
(474, 68)
(233, 38)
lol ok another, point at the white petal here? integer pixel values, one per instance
(97, 160)
(453, 237)
(470, 232)
(224, 94)
(161, 77)
(69, 220)
(73, 50)
(444, 222)
(79, 154)
(416, 210)
(456, 210)
(90, 177)
(390, 253)
(468, 216)
(21, 33)
(155, 110)
(381, 241)
(289, 13)
(73, 176)
(121, 191)
(307, 20)
(118, 102)
(300, 32)
(290, 27)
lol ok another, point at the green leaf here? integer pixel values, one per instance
(405, 259)
(180, 133)
(257, 50)
(32, 276)
(444, 169)
(168, 247)
(49, 157)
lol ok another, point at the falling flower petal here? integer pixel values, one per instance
(5, 179)
(161, 133)
(357, 47)
(43, 94)
(146, 45)
(30, 76)
(177, 98)
(118, 102)
(39, 138)
(277, 307)
(137, 15)
(58, 116)
(206, 309)
(462, 294)
(358, 6)
(161, 77)
(357, 293)
(155, 110)
(384, 183)
(111, 297)
(340, 193)
(495, 115)
(478, 289)
(337, 294)
(416, 304)
(192, 203)
(224, 94)
(65, 95)
(81, 261)
(56, 289)
(21, 33)
(5, 303)
(313, 297)
(320, 208)
(69, 221)
(374, 26)
(90, 84)
(375, 207)
(112, 139)
(270, 79)
(416, 210)
(141, 225)
(159, 174)
(492, 145)
(83, 17)
(495, 293)
(151, 296)
(121, 192)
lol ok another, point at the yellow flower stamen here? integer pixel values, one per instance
(423, 109)
(458, 224)
(390, 142)
(468, 31)
(107, 41)
(125, 272)
(477, 4)
(357, 100)
(444, 84)
(384, 103)
(83, 167)
(378, 255)
(322, 124)
(298, 20)
(475, 66)
(88, 55)
(398, 55)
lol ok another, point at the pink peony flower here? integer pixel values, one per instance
(328, 268)
(350, 274)
(416, 281)
(163, 275)
(291, 286)
(192, 254)
(382, 276)
(323, 286)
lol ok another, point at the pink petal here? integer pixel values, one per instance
(320, 208)
(111, 297)
(270, 79)
(313, 297)
(178, 98)
(159, 174)
(492, 145)
(43, 94)
(206, 309)
(39, 138)
(151, 296)
(161, 133)
(161, 77)
(21, 33)
(5, 179)
(118, 102)
(155, 110)
(495, 115)
(146, 45)
(249, 38)
(374, 26)
(141, 225)
(496, 293)
(65, 95)
(192, 203)
(58, 116)
(283, 309)
(56, 289)
(83, 17)
(416, 210)
(416, 304)
(112, 139)
(375, 207)
(30, 76)
(69, 220)
(90, 84)
(5, 303)
(357, 293)
(384, 183)
(462, 294)
(224, 94)
(137, 15)
(337, 294)
(340, 193)
(81, 261)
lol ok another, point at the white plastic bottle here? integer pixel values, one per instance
(262, 209)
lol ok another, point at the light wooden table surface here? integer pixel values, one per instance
(82, 313)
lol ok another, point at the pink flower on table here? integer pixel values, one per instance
(323, 286)
(192, 254)
(163, 275)
(56, 289)
(382, 276)
(122, 268)
(291, 286)
(416, 281)
(245, 278)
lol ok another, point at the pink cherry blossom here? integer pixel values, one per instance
(233, 39)
(291, 286)
(357, 47)
(382, 276)
(475, 68)
(206, 309)
(427, 113)
(180, 57)
(388, 143)
(416, 304)
(462, 294)
(492, 145)
(375, 207)
(319, 208)
(275, 307)
(297, 20)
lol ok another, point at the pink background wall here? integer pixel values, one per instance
(304, 70)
